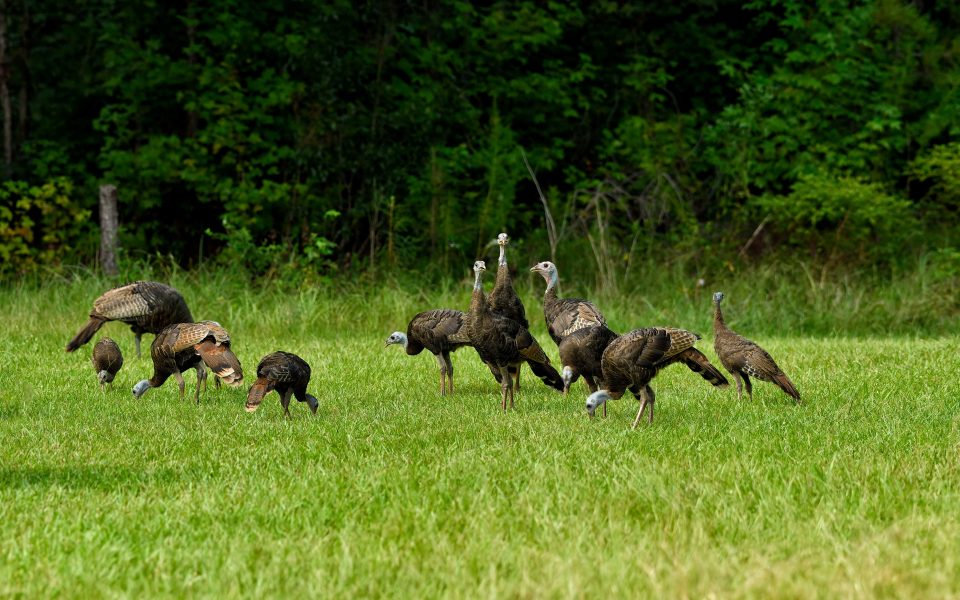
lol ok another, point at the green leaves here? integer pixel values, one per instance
(841, 215)
(271, 116)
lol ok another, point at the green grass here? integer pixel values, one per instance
(393, 491)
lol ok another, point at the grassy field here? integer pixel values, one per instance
(393, 491)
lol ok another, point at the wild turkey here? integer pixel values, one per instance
(504, 300)
(632, 360)
(147, 306)
(581, 353)
(288, 374)
(564, 315)
(504, 343)
(745, 359)
(440, 332)
(107, 361)
(185, 346)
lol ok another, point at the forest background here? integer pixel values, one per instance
(329, 142)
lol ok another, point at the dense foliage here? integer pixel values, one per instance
(275, 136)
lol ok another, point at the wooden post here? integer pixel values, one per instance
(108, 229)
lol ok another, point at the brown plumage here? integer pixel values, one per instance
(744, 358)
(286, 373)
(565, 315)
(504, 300)
(147, 306)
(581, 354)
(440, 332)
(632, 360)
(185, 346)
(107, 361)
(504, 343)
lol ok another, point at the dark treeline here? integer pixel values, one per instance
(330, 134)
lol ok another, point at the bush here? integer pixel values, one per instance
(39, 225)
(840, 216)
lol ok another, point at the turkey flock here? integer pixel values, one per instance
(495, 325)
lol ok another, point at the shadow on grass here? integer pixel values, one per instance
(93, 477)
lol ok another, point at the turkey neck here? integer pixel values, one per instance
(719, 325)
(503, 273)
(478, 303)
(550, 295)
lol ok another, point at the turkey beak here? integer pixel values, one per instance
(533, 269)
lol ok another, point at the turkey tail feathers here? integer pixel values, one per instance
(221, 361)
(699, 363)
(548, 374)
(258, 390)
(84, 335)
(787, 386)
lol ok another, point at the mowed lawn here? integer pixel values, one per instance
(392, 490)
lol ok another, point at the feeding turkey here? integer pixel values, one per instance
(147, 306)
(286, 373)
(185, 346)
(107, 361)
(632, 360)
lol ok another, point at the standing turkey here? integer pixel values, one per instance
(288, 374)
(504, 300)
(107, 361)
(745, 359)
(503, 343)
(184, 346)
(632, 360)
(564, 315)
(440, 332)
(147, 306)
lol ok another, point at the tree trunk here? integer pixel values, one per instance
(108, 229)
(23, 63)
(5, 93)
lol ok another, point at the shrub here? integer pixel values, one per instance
(39, 225)
(843, 215)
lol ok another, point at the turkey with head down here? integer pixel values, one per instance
(286, 373)
(147, 306)
(632, 360)
(184, 346)
(581, 355)
(107, 361)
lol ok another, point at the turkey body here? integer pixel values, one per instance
(107, 361)
(632, 360)
(565, 316)
(439, 331)
(184, 346)
(504, 300)
(147, 306)
(286, 373)
(745, 359)
(581, 355)
(504, 344)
